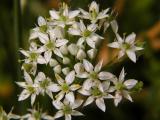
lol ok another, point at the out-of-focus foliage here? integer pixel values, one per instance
(140, 16)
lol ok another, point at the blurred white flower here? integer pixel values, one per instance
(122, 87)
(94, 14)
(87, 34)
(126, 46)
(30, 88)
(67, 109)
(66, 87)
(63, 17)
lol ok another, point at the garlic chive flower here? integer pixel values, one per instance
(87, 34)
(94, 14)
(65, 87)
(67, 108)
(126, 46)
(64, 16)
(122, 87)
(30, 88)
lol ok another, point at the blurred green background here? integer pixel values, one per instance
(139, 16)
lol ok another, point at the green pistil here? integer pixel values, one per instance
(96, 92)
(50, 45)
(31, 89)
(44, 84)
(119, 86)
(86, 33)
(63, 18)
(126, 46)
(43, 28)
(37, 115)
(65, 87)
(93, 75)
(67, 109)
(33, 56)
(94, 14)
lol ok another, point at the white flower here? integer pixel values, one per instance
(63, 17)
(40, 30)
(87, 34)
(94, 14)
(66, 87)
(44, 84)
(10, 115)
(92, 74)
(122, 87)
(36, 115)
(67, 109)
(97, 93)
(126, 46)
(30, 88)
(51, 44)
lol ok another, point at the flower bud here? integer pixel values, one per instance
(73, 49)
(66, 60)
(66, 70)
(64, 50)
(57, 69)
(53, 62)
(81, 54)
(92, 53)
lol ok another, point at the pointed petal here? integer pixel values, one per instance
(77, 103)
(41, 60)
(117, 99)
(59, 96)
(61, 42)
(27, 78)
(75, 87)
(70, 97)
(98, 66)
(114, 26)
(131, 54)
(130, 83)
(41, 21)
(101, 105)
(48, 55)
(89, 101)
(76, 113)
(24, 95)
(58, 114)
(122, 75)
(87, 65)
(127, 95)
(87, 84)
(58, 53)
(54, 88)
(73, 14)
(57, 104)
(73, 31)
(59, 79)
(84, 92)
(105, 75)
(70, 77)
(43, 37)
(130, 38)
(114, 45)
(54, 14)
(90, 42)
(67, 117)
(33, 98)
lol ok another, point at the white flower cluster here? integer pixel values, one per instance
(67, 42)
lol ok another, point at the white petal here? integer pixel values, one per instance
(33, 98)
(92, 27)
(82, 26)
(70, 97)
(82, 75)
(73, 31)
(59, 96)
(58, 53)
(43, 37)
(24, 53)
(77, 103)
(70, 77)
(48, 55)
(106, 85)
(41, 21)
(87, 65)
(58, 114)
(41, 60)
(114, 45)
(130, 38)
(127, 95)
(59, 79)
(87, 84)
(54, 14)
(21, 84)
(78, 67)
(61, 42)
(57, 104)
(76, 113)
(73, 14)
(121, 54)
(117, 99)
(84, 12)
(74, 87)
(98, 66)
(105, 75)
(114, 26)
(131, 54)
(90, 42)
(24, 95)
(122, 75)
(40, 77)
(130, 83)
(119, 38)
(67, 117)
(89, 101)
(138, 48)
(54, 88)
(28, 78)
(101, 105)
(80, 41)
(84, 92)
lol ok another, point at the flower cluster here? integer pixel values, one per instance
(67, 42)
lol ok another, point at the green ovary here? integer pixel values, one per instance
(67, 109)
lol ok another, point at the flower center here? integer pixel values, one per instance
(94, 14)
(86, 33)
(65, 87)
(44, 83)
(50, 45)
(63, 18)
(31, 89)
(93, 75)
(96, 92)
(119, 86)
(43, 28)
(67, 109)
(126, 46)
(33, 56)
